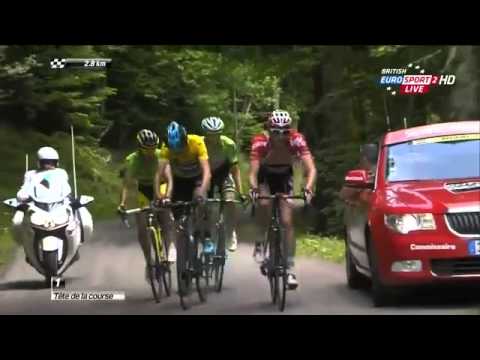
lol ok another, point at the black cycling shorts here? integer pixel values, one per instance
(147, 191)
(278, 178)
(221, 180)
(183, 188)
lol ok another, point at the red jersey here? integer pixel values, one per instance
(295, 148)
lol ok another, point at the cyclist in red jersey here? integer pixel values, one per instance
(271, 171)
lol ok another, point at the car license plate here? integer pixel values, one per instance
(474, 247)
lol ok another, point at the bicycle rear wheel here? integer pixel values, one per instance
(219, 261)
(155, 269)
(167, 272)
(199, 268)
(271, 267)
(282, 269)
(184, 275)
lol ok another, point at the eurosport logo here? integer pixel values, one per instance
(412, 80)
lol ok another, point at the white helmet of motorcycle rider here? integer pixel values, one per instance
(47, 157)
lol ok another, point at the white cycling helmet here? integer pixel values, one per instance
(147, 139)
(47, 153)
(280, 119)
(212, 124)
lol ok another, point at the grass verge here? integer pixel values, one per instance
(326, 248)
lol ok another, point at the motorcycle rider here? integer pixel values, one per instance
(57, 187)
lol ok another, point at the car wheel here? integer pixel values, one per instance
(381, 294)
(355, 279)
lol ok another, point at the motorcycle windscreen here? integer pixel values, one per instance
(49, 187)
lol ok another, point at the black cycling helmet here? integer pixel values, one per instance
(147, 139)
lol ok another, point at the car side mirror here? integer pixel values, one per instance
(370, 152)
(85, 200)
(359, 179)
(13, 203)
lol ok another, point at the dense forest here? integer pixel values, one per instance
(332, 92)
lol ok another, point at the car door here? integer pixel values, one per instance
(357, 203)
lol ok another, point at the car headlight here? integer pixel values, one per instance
(405, 223)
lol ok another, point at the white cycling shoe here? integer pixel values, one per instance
(258, 253)
(292, 281)
(234, 243)
(172, 253)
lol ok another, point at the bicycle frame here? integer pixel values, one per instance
(275, 267)
(222, 203)
(275, 223)
(152, 221)
(187, 256)
(188, 209)
(159, 269)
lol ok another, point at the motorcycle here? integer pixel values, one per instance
(55, 226)
(56, 229)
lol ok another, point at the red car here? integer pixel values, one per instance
(417, 215)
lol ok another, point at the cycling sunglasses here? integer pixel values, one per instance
(275, 131)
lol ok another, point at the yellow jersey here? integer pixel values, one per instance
(185, 163)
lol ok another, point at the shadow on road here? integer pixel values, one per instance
(265, 307)
(429, 297)
(441, 297)
(23, 285)
(32, 284)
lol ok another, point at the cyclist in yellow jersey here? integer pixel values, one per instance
(188, 159)
(140, 169)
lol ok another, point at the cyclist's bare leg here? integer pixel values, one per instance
(264, 208)
(142, 236)
(230, 215)
(201, 223)
(210, 215)
(167, 226)
(286, 218)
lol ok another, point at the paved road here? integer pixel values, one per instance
(113, 261)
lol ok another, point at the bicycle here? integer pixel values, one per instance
(159, 274)
(275, 266)
(188, 262)
(214, 266)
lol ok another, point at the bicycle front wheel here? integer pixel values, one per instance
(271, 267)
(167, 272)
(200, 267)
(184, 275)
(219, 262)
(155, 267)
(282, 273)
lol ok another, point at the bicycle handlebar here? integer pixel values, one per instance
(139, 210)
(218, 201)
(286, 197)
(278, 196)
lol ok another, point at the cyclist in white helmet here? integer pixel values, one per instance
(223, 159)
(271, 158)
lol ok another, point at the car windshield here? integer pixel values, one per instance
(440, 158)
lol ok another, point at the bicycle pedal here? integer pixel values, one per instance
(263, 270)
